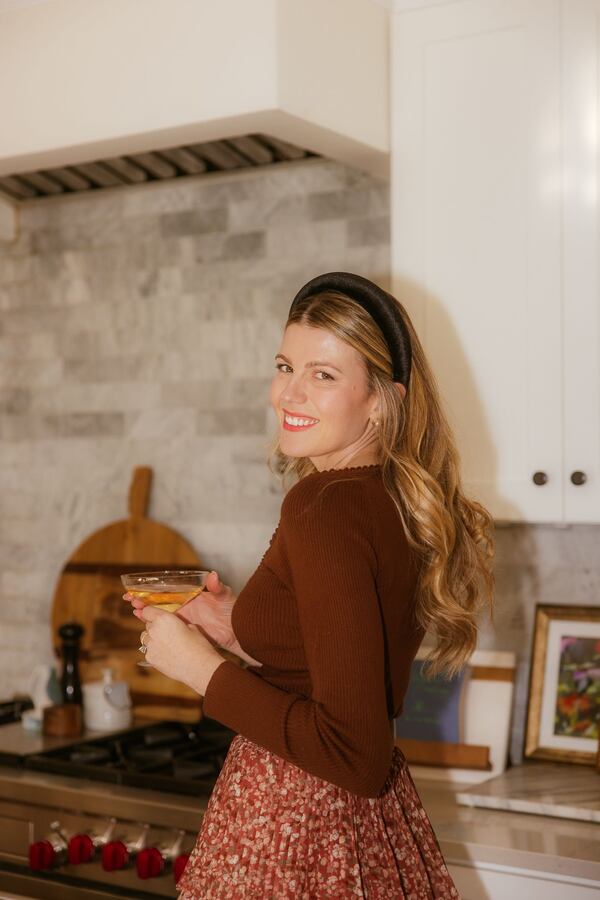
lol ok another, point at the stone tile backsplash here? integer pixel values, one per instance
(139, 326)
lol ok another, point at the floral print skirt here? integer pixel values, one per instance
(273, 832)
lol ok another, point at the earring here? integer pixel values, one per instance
(375, 422)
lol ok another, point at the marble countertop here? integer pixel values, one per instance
(478, 837)
(543, 788)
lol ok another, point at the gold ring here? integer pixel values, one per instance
(143, 635)
(143, 649)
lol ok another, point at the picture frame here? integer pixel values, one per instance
(563, 705)
(467, 740)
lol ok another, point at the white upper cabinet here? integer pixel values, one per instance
(494, 239)
(581, 249)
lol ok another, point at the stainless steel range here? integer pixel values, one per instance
(104, 815)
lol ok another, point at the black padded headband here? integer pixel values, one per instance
(380, 307)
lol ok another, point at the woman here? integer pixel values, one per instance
(375, 545)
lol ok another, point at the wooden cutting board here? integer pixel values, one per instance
(89, 591)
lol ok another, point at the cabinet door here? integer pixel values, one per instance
(503, 882)
(581, 236)
(476, 234)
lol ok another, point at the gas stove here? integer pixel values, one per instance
(166, 756)
(105, 815)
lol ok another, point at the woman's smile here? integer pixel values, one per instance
(292, 422)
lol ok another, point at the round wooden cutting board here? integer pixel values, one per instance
(89, 591)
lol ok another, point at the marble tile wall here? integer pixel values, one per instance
(138, 326)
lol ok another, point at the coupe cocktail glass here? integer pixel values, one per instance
(166, 590)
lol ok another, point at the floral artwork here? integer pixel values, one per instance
(578, 690)
(563, 710)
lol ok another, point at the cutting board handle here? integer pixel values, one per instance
(139, 492)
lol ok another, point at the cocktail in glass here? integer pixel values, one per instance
(167, 590)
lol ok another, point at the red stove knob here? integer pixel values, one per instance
(149, 863)
(41, 856)
(114, 856)
(81, 849)
(179, 864)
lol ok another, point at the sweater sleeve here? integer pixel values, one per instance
(341, 733)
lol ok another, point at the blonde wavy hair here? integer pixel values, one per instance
(452, 535)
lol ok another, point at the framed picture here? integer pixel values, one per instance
(457, 729)
(563, 707)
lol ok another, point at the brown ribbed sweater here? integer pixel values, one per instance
(330, 613)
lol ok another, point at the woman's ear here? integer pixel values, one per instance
(374, 414)
(401, 389)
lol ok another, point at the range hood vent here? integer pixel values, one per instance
(159, 165)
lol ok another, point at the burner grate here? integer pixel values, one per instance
(167, 756)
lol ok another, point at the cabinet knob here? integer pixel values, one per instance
(540, 478)
(578, 477)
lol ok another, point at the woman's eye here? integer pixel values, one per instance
(328, 377)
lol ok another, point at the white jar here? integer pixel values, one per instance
(106, 704)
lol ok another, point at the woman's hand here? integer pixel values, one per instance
(211, 611)
(178, 650)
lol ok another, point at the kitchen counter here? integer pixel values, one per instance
(557, 849)
(546, 788)
(492, 854)
(466, 834)
(17, 741)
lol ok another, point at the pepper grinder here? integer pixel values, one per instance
(66, 720)
(70, 683)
